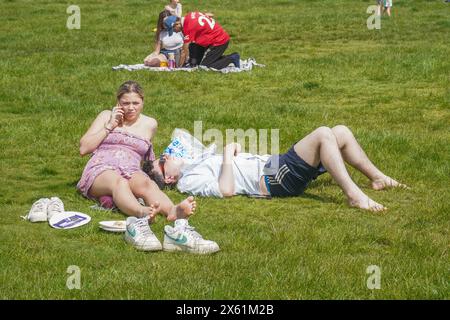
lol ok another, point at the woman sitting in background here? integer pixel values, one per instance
(175, 8)
(167, 41)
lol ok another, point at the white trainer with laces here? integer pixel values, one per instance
(55, 205)
(140, 235)
(183, 237)
(38, 211)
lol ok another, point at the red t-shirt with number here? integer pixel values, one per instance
(203, 30)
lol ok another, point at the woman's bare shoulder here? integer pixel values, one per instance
(105, 114)
(149, 121)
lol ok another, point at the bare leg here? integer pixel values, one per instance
(110, 183)
(142, 186)
(355, 156)
(321, 146)
(154, 60)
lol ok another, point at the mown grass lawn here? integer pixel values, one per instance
(324, 67)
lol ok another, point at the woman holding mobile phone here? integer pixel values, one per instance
(119, 139)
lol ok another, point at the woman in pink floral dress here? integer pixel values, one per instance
(118, 141)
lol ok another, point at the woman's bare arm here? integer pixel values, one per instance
(105, 122)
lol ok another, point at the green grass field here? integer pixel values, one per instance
(324, 67)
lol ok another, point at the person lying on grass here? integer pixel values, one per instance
(288, 174)
(118, 141)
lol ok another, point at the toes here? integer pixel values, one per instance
(153, 214)
(375, 209)
(152, 217)
(190, 198)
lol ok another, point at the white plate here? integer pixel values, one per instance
(69, 220)
(113, 230)
(113, 226)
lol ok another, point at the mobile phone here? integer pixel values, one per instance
(121, 120)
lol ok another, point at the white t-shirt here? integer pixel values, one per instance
(202, 176)
(171, 42)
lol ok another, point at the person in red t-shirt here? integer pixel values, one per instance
(202, 32)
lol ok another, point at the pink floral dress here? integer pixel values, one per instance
(120, 151)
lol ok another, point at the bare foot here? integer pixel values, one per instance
(153, 212)
(364, 202)
(183, 210)
(387, 182)
(149, 211)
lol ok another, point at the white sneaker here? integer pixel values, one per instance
(140, 235)
(183, 237)
(54, 206)
(38, 211)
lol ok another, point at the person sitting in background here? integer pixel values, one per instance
(175, 8)
(167, 42)
(119, 140)
(205, 41)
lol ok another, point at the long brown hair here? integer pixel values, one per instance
(129, 87)
(157, 177)
(160, 24)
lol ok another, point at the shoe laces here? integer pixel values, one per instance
(143, 227)
(39, 205)
(191, 230)
(56, 205)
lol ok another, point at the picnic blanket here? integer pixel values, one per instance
(246, 65)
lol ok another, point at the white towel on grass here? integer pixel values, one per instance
(246, 65)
